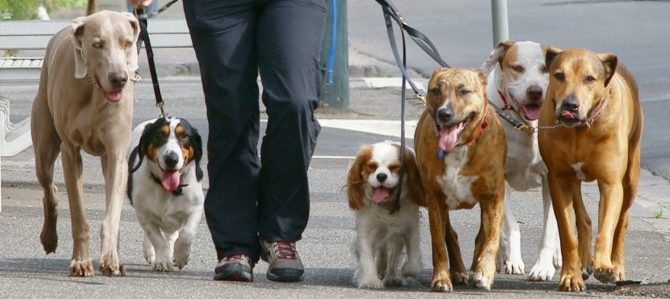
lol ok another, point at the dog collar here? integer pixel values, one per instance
(595, 113)
(176, 192)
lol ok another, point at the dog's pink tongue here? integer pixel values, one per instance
(379, 194)
(532, 112)
(170, 180)
(114, 96)
(448, 137)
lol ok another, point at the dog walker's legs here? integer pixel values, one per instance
(549, 258)
(72, 169)
(487, 242)
(609, 212)
(511, 240)
(46, 144)
(561, 198)
(412, 265)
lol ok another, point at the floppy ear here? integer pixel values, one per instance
(355, 180)
(550, 54)
(610, 62)
(197, 144)
(414, 185)
(135, 25)
(495, 57)
(77, 35)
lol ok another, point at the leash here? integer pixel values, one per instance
(144, 38)
(391, 15)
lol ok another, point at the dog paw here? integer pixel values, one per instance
(81, 268)
(586, 272)
(180, 262)
(459, 278)
(109, 270)
(410, 269)
(441, 285)
(607, 275)
(558, 258)
(162, 266)
(542, 271)
(514, 266)
(480, 281)
(49, 239)
(371, 283)
(393, 281)
(149, 255)
(571, 282)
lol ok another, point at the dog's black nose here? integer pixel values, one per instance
(570, 104)
(444, 115)
(381, 177)
(171, 159)
(118, 79)
(534, 93)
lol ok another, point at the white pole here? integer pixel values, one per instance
(499, 21)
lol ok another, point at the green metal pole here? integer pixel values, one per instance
(335, 57)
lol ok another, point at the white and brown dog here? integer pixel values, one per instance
(460, 151)
(518, 84)
(385, 223)
(595, 101)
(165, 190)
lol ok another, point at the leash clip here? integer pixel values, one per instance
(526, 129)
(160, 106)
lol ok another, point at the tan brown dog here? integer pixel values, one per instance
(460, 148)
(595, 101)
(85, 102)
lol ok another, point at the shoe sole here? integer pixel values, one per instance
(234, 273)
(285, 275)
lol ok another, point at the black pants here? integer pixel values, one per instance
(234, 41)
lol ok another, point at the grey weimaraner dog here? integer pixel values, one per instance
(85, 102)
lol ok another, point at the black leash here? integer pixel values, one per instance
(144, 38)
(392, 14)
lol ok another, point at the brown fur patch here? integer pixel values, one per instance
(357, 179)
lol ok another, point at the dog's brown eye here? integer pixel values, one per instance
(435, 91)
(97, 44)
(465, 92)
(394, 167)
(590, 79)
(518, 68)
(559, 76)
(372, 166)
(129, 44)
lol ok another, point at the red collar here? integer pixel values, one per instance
(480, 129)
(506, 104)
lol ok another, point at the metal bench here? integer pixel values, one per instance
(33, 37)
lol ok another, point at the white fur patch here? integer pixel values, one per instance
(456, 187)
(578, 170)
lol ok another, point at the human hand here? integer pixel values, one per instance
(140, 3)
